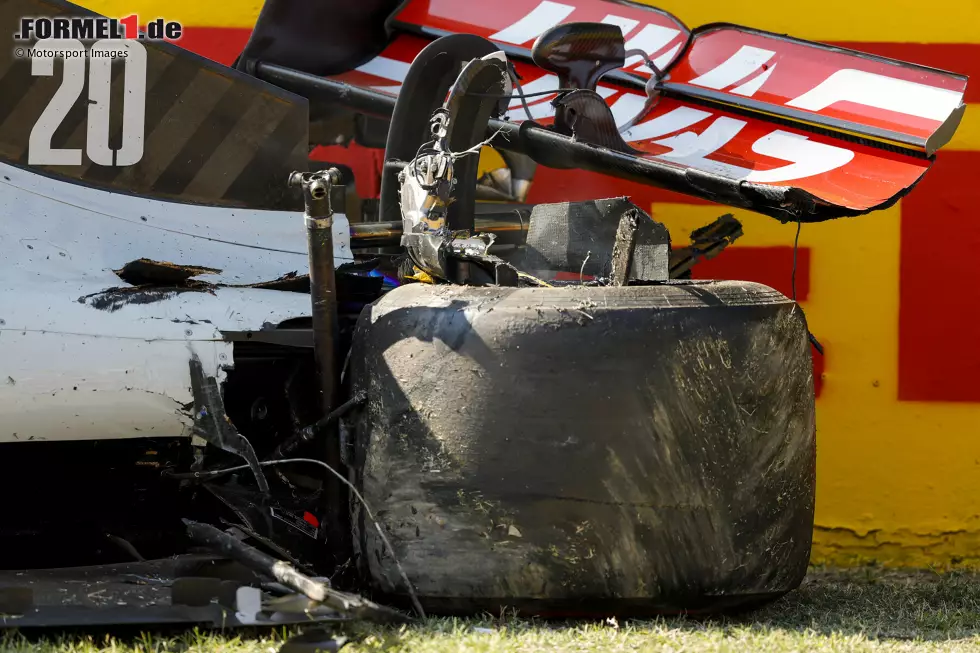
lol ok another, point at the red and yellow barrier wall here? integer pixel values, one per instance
(894, 297)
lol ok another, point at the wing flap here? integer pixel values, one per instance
(815, 86)
(811, 84)
(840, 177)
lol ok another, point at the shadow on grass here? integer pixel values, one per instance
(872, 603)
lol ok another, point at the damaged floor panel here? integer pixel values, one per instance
(185, 589)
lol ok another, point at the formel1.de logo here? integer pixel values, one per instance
(90, 28)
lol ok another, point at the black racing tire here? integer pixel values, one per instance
(586, 450)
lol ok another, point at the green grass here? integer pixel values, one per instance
(863, 610)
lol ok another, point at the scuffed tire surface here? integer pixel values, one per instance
(586, 450)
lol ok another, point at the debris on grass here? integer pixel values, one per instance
(855, 610)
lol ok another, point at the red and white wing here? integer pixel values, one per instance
(852, 131)
(515, 24)
(843, 91)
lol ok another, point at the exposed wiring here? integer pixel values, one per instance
(516, 79)
(652, 92)
(281, 552)
(796, 247)
(657, 73)
(503, 96)
(429, 150)
(476, 148)
(816, 343)
(581, 272)
(374, 520)
(520, 217)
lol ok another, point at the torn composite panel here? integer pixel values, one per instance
(83, 354)
(827, 176)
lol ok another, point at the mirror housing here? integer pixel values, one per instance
(580, 53)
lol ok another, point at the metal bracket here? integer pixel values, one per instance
(317, 187)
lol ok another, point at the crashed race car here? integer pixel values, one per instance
(231, 394)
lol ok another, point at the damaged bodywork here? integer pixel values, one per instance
(302, 403)
(113, 286)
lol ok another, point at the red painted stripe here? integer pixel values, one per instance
(939, 311)
(364, 162)
(221, 44)
(572, 276)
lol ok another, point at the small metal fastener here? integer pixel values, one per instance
(330, 175)
(188, 332)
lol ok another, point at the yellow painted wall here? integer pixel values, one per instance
(952, 21)
(898, 481)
